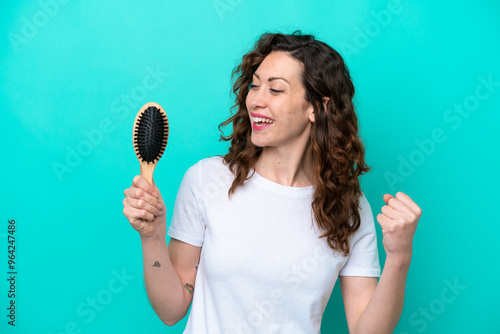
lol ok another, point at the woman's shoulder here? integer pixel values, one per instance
(210, 163)
(210, 168)
(207, 177)
(364, 205)
(366, 214)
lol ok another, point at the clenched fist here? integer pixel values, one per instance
(399, 220)
(144, 208)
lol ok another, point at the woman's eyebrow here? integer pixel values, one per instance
(272, 78)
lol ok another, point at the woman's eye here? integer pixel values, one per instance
(274, 91)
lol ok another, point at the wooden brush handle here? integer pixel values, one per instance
(147, 171)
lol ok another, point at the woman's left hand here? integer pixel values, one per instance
(399, 219)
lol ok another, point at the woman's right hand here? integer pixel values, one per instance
(144, 211)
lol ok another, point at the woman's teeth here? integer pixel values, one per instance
(262, 120)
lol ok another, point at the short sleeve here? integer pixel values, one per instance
(363, 258)
(187, 223)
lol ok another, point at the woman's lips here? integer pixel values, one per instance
(260, 122)
(253, 114)
(261, 127)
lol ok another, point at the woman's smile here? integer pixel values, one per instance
(260, 122)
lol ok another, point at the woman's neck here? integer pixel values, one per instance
(291, 168)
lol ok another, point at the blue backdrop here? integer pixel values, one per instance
(74, 74)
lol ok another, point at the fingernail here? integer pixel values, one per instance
(155, 194)
(158, 205)
(158, 213)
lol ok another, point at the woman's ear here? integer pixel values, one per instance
(311, 113)
(311, 109)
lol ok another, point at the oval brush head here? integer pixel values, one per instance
(150, 137)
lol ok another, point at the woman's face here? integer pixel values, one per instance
(279, 113)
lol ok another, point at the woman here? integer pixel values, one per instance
(260, 235)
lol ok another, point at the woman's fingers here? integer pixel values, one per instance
(143, 207)
(409, 202)
(140, 182)
(134, 214)
(402, 203)
(389, 212)
(141, 204)
(142, 190)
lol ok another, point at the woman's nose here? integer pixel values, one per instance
(256, 98)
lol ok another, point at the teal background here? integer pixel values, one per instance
(80, 67)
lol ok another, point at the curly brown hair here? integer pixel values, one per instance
(335, 146)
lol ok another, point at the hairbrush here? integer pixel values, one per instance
(150, 137)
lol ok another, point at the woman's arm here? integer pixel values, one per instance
(169, 276)
(371, 307)
(169, 272)
(376, 308)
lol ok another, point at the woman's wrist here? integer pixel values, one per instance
(155, 237)
(403, 260)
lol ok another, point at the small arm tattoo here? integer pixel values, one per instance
(157, 264)
(189, 288)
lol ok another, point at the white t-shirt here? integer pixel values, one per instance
(263, 268)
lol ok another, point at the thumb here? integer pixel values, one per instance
(387, 197)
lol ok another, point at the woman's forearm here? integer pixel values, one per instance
(382, 313)
(163, 286)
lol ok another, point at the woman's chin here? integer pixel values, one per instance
(259, 142)
(259, 145)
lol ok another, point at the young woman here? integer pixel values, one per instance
(260, 235)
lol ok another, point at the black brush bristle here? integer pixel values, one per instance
(150, 134)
